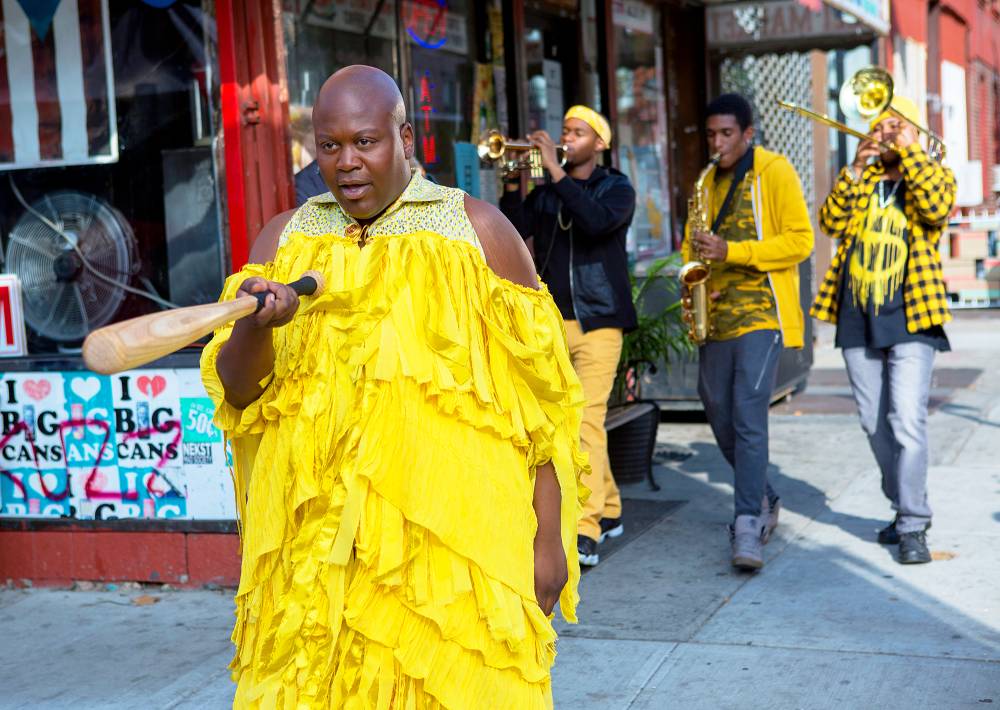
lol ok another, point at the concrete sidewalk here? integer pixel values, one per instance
(831, 622)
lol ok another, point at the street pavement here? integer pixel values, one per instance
(832, 621)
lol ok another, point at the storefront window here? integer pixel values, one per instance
(322, 36)
(440, 42)
(641, 131)
(109, 202)
(552, 57)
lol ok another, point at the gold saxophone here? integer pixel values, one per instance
(694, 274)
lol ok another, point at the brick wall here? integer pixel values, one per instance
(984, 86)
(979, 119)
(64, 553)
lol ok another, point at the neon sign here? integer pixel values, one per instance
(427, 19)
(428, 142)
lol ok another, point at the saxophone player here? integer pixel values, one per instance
(759, 233)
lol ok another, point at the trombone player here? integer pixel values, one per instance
(758, 232)
(885, 292)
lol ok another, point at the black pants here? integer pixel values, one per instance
(735, 381)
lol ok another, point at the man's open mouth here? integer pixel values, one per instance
(354, 191)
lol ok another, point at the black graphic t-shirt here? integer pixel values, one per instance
(872, 313)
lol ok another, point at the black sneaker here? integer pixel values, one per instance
(611, 527)
(890, 536)
(913, 548)
(586, 547)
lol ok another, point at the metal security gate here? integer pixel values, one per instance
(763, 80)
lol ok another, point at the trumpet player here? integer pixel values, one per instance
(759, 233)
(885, 292)
(577, 224)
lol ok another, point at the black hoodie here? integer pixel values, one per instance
(596, 213)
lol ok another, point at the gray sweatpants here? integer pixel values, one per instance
(735, 381)
(891, 388)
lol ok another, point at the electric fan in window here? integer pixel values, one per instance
(74, 255)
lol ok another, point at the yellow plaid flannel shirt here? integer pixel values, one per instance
(930, 196)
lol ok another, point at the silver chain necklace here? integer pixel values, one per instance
(884, 201)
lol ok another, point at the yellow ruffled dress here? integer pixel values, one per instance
(384, 482)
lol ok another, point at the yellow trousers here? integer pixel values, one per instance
(595, 358)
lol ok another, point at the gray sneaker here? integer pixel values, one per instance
(746, 536)
(769, 514)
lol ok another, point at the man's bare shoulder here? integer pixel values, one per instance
(503, 247)
(265, 246)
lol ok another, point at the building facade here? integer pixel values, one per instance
(144, 143)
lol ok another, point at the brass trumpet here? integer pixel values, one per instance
(863, 97)
(493, 146)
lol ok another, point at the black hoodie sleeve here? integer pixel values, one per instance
(597, 219)
(521, 213)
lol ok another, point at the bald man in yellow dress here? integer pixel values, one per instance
(405, 443)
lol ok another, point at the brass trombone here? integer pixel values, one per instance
(832, 123)
(864, 96)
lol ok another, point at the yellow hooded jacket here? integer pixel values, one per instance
(784, 237)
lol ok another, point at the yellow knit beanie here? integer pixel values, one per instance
(593, 119)
(901, 105)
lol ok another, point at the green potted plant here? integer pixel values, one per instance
(660, 336)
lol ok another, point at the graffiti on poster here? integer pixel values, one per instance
(139, 444)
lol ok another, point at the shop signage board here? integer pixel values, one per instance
(13, 338)
(782, 25)
(428, 23)
(59, 105)
(140, 444)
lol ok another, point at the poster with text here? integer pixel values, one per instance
(139, 444)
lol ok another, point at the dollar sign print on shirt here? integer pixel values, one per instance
(878, 261)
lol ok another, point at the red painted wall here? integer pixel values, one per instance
(954, 39)
(909, 19)
(62, 556)
(965, 10)
(985, 37)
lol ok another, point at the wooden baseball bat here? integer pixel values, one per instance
(134, 342)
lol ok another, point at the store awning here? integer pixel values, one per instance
(786, 26)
